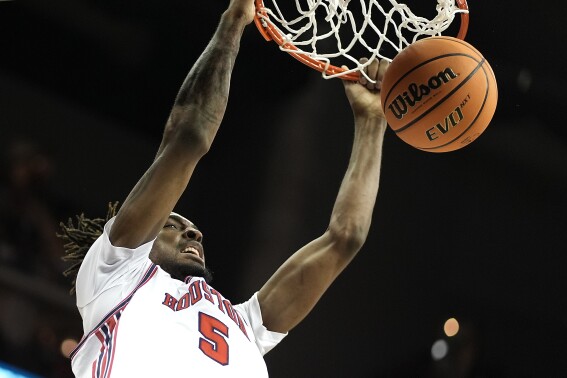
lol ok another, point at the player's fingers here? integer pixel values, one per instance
(384, 64)
(372, 72)
(378, 71)
(362, 80)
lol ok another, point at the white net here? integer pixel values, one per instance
(340, 32)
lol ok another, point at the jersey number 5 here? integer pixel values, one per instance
(213, 343)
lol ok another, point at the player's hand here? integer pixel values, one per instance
(364, 96)
(244, 9)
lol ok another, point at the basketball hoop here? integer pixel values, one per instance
(317, 32)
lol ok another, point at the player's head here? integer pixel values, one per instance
(178, 249)
(171, 250)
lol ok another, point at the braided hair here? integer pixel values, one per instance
(78, 238)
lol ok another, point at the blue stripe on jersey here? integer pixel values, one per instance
(117, 310)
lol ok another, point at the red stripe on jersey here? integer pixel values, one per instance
(111, 319)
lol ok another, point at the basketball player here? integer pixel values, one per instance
(142, 288)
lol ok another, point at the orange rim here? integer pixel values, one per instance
(464, 19)
(269, 32)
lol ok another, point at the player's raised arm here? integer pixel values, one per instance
(189, 132)
(290, 294)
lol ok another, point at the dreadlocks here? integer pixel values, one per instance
(79, 237)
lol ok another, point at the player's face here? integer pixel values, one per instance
(178, 249)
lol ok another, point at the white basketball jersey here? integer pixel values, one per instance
(140, 322)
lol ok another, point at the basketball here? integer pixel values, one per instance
(439, 94)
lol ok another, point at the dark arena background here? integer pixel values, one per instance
(478, 235)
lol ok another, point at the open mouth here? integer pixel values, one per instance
(191, 250)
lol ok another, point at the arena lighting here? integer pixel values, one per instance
(451, 327)
(439, 349)
(8, 371)
(67, 347)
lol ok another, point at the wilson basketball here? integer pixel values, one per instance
(439, 94)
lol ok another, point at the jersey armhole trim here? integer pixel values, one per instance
(150, 272)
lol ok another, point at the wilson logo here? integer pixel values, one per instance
(415, 92)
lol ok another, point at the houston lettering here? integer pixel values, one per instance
(199, 290)
(415, 93)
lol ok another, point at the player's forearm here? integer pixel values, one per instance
(202, 99)
(352, 212)
(290, 294)
(189, 132)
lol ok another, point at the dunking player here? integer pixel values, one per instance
(142, 288)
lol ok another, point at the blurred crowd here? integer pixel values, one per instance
(37, 312)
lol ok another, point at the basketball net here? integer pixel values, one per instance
(383, 28)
